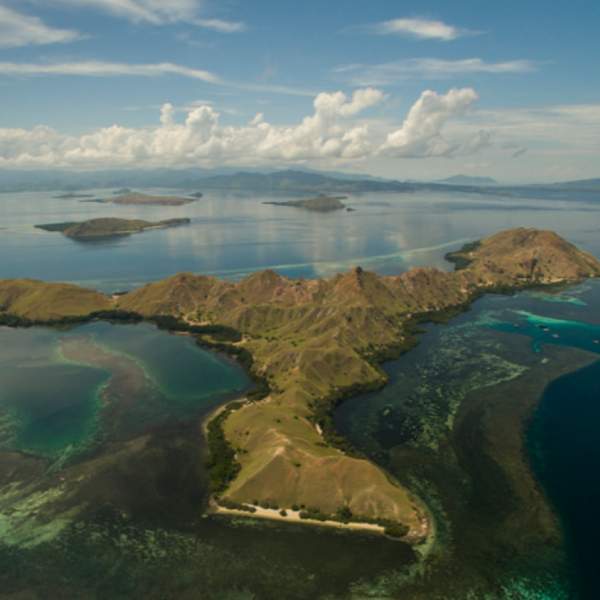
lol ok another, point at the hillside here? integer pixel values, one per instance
(41, 301)
(316, 341)
(108, 227)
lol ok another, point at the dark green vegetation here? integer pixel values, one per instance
(318, 204)
(108, 227)
(222, 465)
(461, 259)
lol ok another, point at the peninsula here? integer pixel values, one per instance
(311, 343)
(318, 204)
(95, 229)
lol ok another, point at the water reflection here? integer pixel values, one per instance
(233, 234)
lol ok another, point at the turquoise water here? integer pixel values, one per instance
(49, 404)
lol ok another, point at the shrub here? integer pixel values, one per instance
(396, 530)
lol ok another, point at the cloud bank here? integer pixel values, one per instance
(336, 130)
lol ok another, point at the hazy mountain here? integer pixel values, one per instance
(468, 180)
(286, 182)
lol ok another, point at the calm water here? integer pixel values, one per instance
(234, 235)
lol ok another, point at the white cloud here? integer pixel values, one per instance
(157, 12)
(335, 131)
(421, 132)
(428, 68)
(419, 28)
(17, 29)
(221, 25)
(105, 69)
(94, 68)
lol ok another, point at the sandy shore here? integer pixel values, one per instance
(293, 516)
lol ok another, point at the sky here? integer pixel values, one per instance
(390, 88)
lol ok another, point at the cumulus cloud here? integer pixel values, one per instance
(421, 132)
(157, 12)
(428, 68)
(336, 130)
(419, 28)
(18, 29)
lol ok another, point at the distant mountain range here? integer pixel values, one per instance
(468, 180)
(284, 182)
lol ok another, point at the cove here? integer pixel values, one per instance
(65, 390)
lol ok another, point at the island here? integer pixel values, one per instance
(72, 195)
(95, 229)
(319, 203)
(137, 198)
(310, 344)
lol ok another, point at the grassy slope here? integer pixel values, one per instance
(40, 301)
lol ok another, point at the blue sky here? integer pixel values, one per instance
(504, 89)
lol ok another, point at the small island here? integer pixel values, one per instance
(137, 198)
(72, 196)
(95, 229)
(319, 203)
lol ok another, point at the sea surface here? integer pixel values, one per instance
(67, 394)
(232, 235)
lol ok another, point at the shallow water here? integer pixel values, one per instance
(51, 402)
